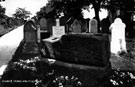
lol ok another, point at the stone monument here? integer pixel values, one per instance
(118, 43)
(76, 26)
(30, 32)
(93, 25)
(43, 24)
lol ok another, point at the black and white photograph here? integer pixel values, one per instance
(67, 43)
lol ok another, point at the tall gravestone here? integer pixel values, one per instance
(76, 26)
(30, 39)
(43, 24)
(118, 43)
(30, 32)
(93, 26)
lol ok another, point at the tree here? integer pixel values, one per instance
(73, 7)
(2, 11)
(50, 10)
(21, 13)
(2, 0)
(70, 8)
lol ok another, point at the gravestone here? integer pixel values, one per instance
(30, 39)
(118, 43)
(58, 30)
(81, 48)
(30, 32)
(43, 28)
(43, 24)
(76, 26)
(93, 26)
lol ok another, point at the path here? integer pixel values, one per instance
(8, 44)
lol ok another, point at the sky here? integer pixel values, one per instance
(30, 5)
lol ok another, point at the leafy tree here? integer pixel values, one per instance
(73, 7)
(2, 11)
(70, 8)
(21, 13)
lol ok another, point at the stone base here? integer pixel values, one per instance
(89, 76)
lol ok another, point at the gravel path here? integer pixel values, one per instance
(9, 43)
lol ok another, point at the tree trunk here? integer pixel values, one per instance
(96, 5)
(97, 18)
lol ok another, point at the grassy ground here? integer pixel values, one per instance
(124, 62)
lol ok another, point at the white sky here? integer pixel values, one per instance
(30, 5)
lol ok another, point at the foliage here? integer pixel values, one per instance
(70, 8)
(21, 13)
(2, 0)
(29, 73)
(122, 4)
(55, 7)
(119, 78)
(2, 11)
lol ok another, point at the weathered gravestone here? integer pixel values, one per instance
(30, 32)
(76, 26)
(86, 49)
(93, 26)
(43, 28)
(28, 48)
(81, 48)
(30, 38)
(118, 43)
(43, 24)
